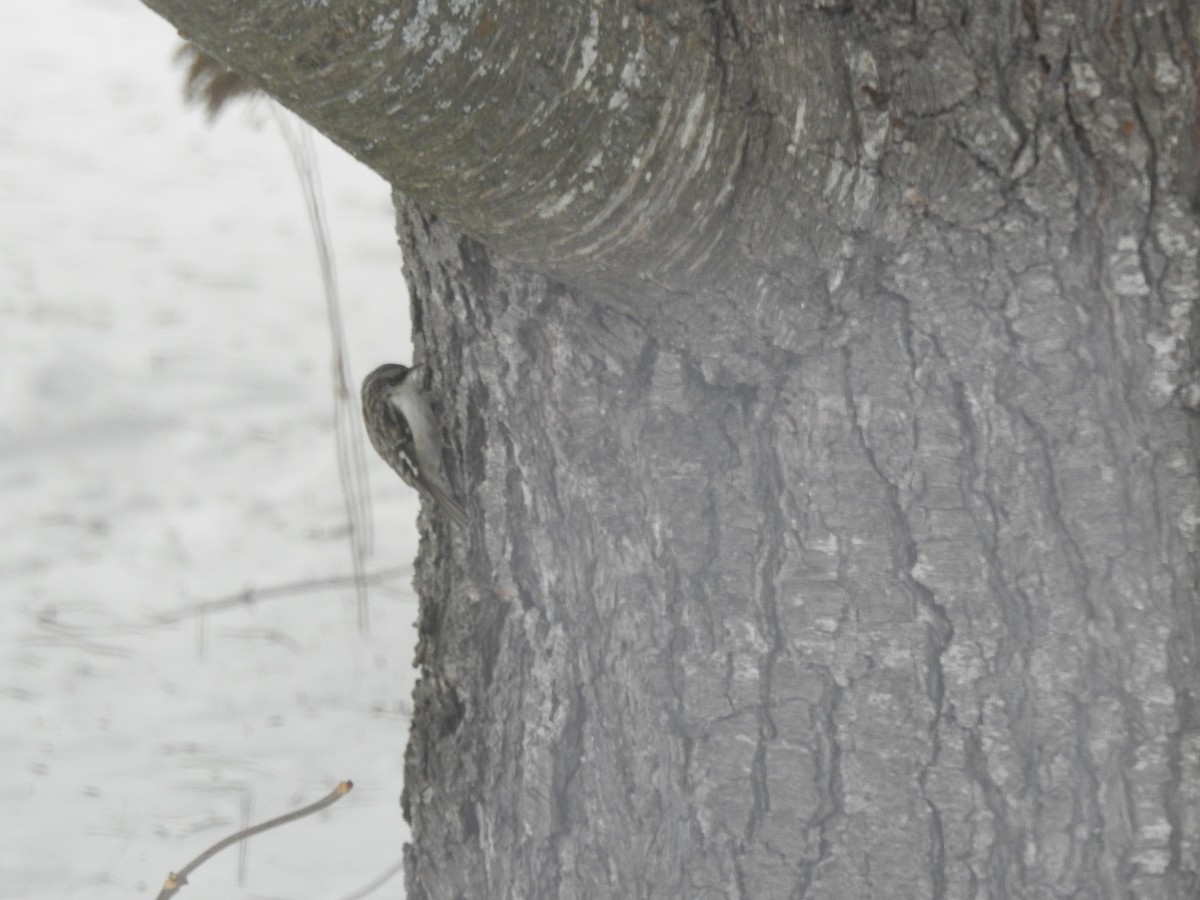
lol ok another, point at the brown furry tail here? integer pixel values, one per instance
(208, 82)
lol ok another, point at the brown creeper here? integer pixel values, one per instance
(404, 431)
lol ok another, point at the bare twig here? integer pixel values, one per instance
(253, 595)
(61, 635)
(176, 880)
(243, 847)
(347, 426)
(211, 83)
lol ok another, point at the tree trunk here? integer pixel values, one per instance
(823, 380)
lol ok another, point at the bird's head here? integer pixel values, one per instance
(379, 385)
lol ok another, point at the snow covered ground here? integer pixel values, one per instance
(165, 440)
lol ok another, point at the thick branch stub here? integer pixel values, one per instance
(612, 149)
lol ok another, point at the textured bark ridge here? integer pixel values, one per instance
(823, 380)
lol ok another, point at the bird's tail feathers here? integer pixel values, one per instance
(452, 507)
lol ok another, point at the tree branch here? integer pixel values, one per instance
(612, 152)
(177, 880)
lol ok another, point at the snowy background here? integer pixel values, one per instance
(166, 440)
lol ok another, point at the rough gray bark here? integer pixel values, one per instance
(824, 382)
